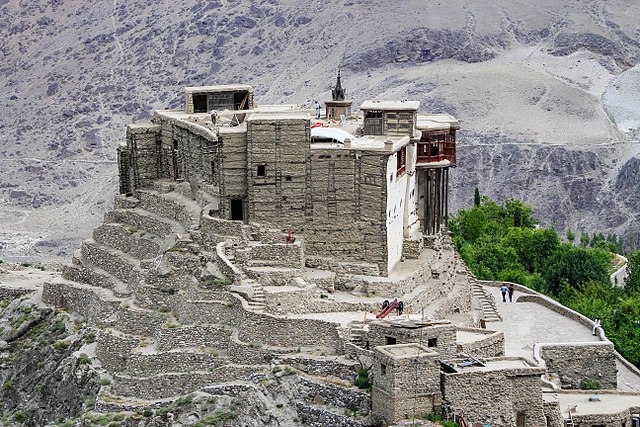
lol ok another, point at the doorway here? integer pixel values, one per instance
(237, 209)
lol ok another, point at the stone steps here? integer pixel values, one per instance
(487, 303)
(357, 333)
(82, 271)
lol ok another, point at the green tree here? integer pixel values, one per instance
(571, 236)
(476, 197)
(584, 239)
(574, 266)
(632, 282)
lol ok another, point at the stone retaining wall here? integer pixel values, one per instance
(215, 230)
(165, 207)
(209, 336)
(226, 267)
(574, 362)
(111, 261)
(272, 254)
(141, 220)
(173, 384)
(314, 416)
(8, 293)
(492, 345)
(134, 243)
(80, 273)
(289, 333)
(337, 395)
(346, 370)
(83, 301)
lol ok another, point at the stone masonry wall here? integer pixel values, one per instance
(502, 392)
(279, 148)
(576, 362)
(143, 143)
(491, 345)
(233, 167)
(347, 215)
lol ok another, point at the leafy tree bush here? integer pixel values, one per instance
(501, 242)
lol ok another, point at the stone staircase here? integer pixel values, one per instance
(258, 299)
(357, 333)
(487, 303)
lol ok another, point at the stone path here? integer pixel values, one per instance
(526, 322)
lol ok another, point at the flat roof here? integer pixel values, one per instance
(497, 364)
(436, 122)
(403, 351)
(218, 88)
(391, 105)
(278, 115)
(609, 403)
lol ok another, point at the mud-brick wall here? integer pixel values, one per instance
(576, 362)
(346, 218)
(233, 167)
(281, 148)
(143, 145)
(196, 152)
(496, 395)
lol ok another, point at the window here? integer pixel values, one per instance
(199, 102)
(432, 342)
(390, 340)
(401, 161)
(383, 369)
(288, 178)
(262, 170)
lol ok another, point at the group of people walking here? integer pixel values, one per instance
(504, 289)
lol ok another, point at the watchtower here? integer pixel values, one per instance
(406, 382)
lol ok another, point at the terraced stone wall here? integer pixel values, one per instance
(277, 168)
(80, 300)
(346, 218)
(576, 362)
(289, 333)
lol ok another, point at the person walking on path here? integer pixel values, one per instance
(511, 292)
(318, 107)
(503, 289)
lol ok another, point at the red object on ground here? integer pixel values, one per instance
(318, 125)
(384, 313)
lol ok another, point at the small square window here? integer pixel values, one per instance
(432, 342)
(288, 178)
(262, 170)
(391, 340)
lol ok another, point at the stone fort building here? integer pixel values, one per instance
(363, 193)
(249, 237)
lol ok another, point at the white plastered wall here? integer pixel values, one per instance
(396, 198)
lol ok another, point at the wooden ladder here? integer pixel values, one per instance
(569, 422)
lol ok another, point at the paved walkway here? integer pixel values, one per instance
(525, 323)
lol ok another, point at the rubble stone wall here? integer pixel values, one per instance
(576, 362)
(504, 393)
(445, 336)
(233, 168)
(491, 345)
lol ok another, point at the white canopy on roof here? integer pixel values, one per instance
(331, 133)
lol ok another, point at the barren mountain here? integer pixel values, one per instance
(546, 92)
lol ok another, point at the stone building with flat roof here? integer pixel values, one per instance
(361, 193)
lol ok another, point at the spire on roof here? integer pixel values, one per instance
(338, 94)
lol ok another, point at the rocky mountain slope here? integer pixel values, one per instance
(545, 93)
